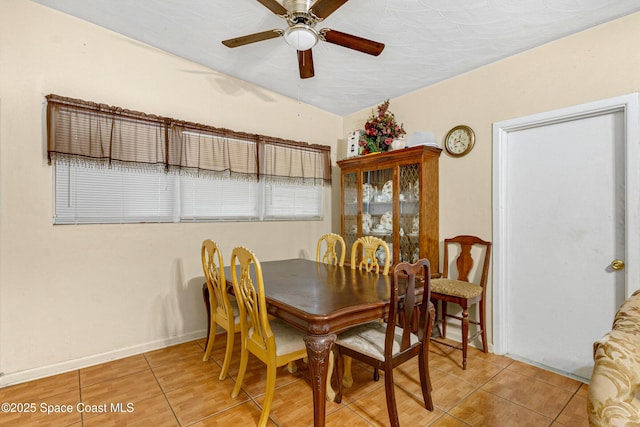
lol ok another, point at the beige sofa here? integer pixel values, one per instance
(614, 390)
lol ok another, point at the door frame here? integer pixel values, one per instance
(629, 105)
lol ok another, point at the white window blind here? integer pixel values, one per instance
(92, 195)
(293, 201)
(219, 199)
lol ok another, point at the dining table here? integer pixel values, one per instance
(322, 300)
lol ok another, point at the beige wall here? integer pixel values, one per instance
(77, 295)
(595, 64)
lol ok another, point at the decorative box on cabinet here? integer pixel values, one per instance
(394, 196)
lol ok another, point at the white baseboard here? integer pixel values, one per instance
(454, 333)
(84, 362)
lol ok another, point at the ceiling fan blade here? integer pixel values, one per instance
(305, 63)
(324, 8)
(352, 42)
(252, 38)
(274, 6)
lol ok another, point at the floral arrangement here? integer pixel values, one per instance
(380, 131)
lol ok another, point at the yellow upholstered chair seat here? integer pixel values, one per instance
(456, 288)
(287, 338)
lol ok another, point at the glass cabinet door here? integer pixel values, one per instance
(377, 207)
(351, 194)
(409, 201)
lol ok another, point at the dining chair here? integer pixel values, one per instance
(461, 291)
(368, 247)
(387, 345)
(273, 341)
(330, 255)
(223, 309)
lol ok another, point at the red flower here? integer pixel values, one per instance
(380, 130)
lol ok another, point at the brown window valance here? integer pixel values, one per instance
(105, 136)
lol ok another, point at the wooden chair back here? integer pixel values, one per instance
(213, 267)
(407, 310)
(366, 248)
(249, 291)
(333, 243)
(465, 261)
(223, 311)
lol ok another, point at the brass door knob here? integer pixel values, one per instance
(617, 264)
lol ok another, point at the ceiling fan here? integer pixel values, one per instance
(302, 17)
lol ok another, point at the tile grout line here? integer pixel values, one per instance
(566, 405)
(553, 419)
(214, 361)
(164, 394)
(479, 387)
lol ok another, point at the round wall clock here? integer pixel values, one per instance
(459, 140)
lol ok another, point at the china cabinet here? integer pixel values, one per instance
(394, 196)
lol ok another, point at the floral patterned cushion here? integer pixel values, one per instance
(288, 338)
(455, 288)
(369, 339)
(628, 317)
(614, 389)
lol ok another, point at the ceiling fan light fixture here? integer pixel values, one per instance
(301, 37)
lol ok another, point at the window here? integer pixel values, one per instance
(116, 166)
(293, 201)
(219, 199)
(90, 195)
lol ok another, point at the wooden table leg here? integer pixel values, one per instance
(318, 349)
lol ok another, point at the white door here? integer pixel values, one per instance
(561, 222)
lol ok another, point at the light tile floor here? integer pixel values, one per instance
(174, 387)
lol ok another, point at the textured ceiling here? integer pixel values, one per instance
(427, 41)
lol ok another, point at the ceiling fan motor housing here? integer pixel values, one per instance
(297, 5)
(301, 33)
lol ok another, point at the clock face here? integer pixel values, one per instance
(459, 141)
